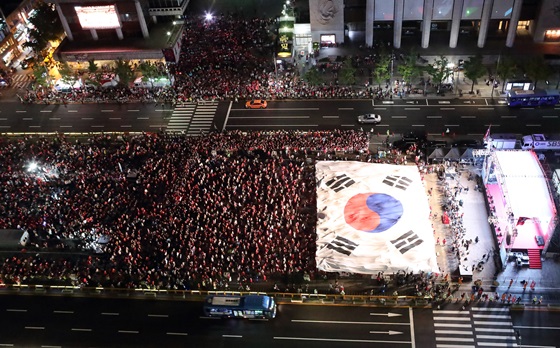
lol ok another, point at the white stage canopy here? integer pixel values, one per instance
(525, 182)
(371, 218)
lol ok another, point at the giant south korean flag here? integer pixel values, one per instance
(371, 218)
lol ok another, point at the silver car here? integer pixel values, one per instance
(369, 118)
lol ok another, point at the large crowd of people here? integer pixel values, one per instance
(164, 211)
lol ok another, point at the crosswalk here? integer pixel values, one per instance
(474, 327)
(193, 118)
(19, 81)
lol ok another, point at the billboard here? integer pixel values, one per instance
(98, 17)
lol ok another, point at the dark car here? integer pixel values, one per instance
(28, 62)
(466, 143)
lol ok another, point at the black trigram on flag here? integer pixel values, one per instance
(401, 182)
(407, 241)
(340, 182)
(342, 245)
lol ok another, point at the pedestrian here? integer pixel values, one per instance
(540, 300)
(444, 241)
(504, 297)
(510, 283)
(534, 299)
(476, 239)
(437, 242)
(533, 284)
(525, 285)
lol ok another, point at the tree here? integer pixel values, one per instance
(381, 72)
(439, 71)
(40, 74)
(312, 76)
(347, 74)
(66, 73)
(536, 69)
(92, 66)
(409, 70)
(123, 70)
(506, 68)
(474, 69)
(45, 26)
(149, 72)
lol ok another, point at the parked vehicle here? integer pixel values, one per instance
(541, 142)
(369, 119)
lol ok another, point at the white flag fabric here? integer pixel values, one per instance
(372, 217)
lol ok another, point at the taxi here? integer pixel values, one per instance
(256, 104)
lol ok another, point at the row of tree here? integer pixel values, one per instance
(410, 70)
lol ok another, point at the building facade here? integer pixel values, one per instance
(127, 29)
(14, 32)
(334, 20)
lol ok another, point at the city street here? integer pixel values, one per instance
(470, 117)
(31, 321)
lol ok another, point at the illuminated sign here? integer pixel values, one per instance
(98, 17)
(552, 35)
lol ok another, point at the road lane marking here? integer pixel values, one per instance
(344, 109)
(109, 313)
(398, 116)
(485, 309)
(232, 336)
(412, 108)
(527, 108)
(412, 335)
(126, 126)
(444, 102)
(80, 329)
(20, 111)
(485, 108)
(482, 329)
(495, 323)
(387, 102)
(345, 322)
(45, 111)
(114, 118)
(508, 116)
(27, 119)
(97, 126)
(336, 340)
(537, 327)
(451, 312)
(452, 332)
(35, 327)
(532, 125)
(455, 339)
(177, 333)
(128, 331)
(447, 108)
(43, 346)
(379, 108)
(54, 118)
(452, 319)
(65, 126)
(3, 119)
(6, 345)
(63, 312)
(133, 110)
(433, 116)
(272, 125)
(34, 126)
(491, 316)
(5, 126)
(452, 346)
(389, 332)
(142, 118)
(106, 110)
(266, 117)
(495, 337)
(452, 325)
(451, 125)
(418, 125)
(389, 314)
(468, 116)
(16, 310)
(158, 315)
(550, 117)
(347, 125)
(72, 110)
(330, 116)
(87, 118)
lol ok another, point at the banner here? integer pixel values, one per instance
(371, 218)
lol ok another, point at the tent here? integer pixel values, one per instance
(437, 155)
(453, 154)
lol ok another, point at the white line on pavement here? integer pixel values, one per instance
(433, 116)
(232, 336)
(455, 339)
(267, 117)
(451, 325)
(485, 329)
(35, 327)
(453, 332)
(63, 312)
(337, 340)
(128, 331)
(493, 323)
(15, 310)
(550, 117)
(412, 108)
(106, 110)
(158, 315)
(109, 313)
(398, 116)
(418, 125)
(412, 335)
(495, 337)
(532, 125)
(538, 327)
(452, 346)
(81, 329)
(345, 322)
(273, 125)
(451, 312)
(468, 116)
(492, 316)
(177, 333)
(452, 318)
(330, 116)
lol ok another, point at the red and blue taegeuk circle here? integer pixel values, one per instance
(373, 212)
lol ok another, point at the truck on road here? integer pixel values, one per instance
(501, 141)
(541, 142)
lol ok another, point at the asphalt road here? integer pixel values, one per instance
(467, 117)
(37, 321)
(432, 116)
